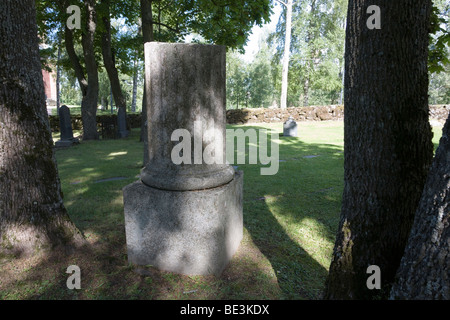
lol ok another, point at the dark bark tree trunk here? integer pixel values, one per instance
(387, 138)
(424, 271)
(147, 34)
(89, 102)
(135, 83)
(58, 77)
(109, 60)
(76, 65)
(32, 214)
(89, 85)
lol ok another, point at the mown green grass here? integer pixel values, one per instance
(290, 220)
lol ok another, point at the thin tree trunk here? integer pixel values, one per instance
(306, 92)
(135, 84)
(109, 61)
(58, 77)
(89, 102)
(341, 96)
(88, 85)
(75, 61)
(32, 214)
(147, 34)
(424, 271)
(287, 50)
(387, 143)
(111, 99)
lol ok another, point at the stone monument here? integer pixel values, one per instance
(290, 128)
(122, 123)
(65, 126)
(187, 217)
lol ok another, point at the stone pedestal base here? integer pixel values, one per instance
(188, 232)
(66, 143)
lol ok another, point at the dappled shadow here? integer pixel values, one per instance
(274, 260)
(268, 205)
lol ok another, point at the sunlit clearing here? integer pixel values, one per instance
(121, 153)
(314, 241)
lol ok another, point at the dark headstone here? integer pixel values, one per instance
(122, 123)
(65, 124)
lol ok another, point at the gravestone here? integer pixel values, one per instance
(122, 123)
(185, 218)
(65, 126)
(290, 128)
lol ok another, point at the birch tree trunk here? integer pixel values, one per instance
(287, 50)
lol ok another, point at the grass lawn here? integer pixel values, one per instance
(290, 220)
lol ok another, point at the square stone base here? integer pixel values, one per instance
(188, 232)
(66, 143)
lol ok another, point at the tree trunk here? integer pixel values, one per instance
(387, 139)
(135, 84)
(32, 214)
(424, 271)
(89, 86)
(306, 92)
(147, 34)
(89, 102)
(58, 77)
(76, 65)
(111, 99)
(109, 61)
(287, 50)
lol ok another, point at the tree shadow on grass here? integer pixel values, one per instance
(275, 259)
(292, 216)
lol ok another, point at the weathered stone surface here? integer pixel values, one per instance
(290, 128)
(122, 123)
(185, 216)
(185, 85)
(188, 232)
(65, 123)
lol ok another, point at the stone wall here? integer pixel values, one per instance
(438, 113)
(133, 121)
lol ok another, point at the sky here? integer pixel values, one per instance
(252, 45)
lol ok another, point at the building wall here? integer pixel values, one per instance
(49, 84)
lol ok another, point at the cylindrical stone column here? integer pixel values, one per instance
(185, 85)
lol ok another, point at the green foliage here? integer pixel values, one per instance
(220, 22)
(317, 51)
(237, 80)
(261, 85)
(439, 88)
(438, 56)
(223, 21)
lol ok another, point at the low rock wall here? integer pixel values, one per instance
(438, 113)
